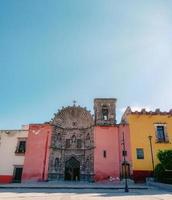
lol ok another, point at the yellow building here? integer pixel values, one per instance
(147, 130)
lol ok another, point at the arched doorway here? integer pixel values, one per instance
(72, 170)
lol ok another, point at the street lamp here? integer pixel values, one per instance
(124, 159)
(150, 141)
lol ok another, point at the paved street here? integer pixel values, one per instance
(83, 194)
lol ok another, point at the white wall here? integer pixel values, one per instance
(8, 144)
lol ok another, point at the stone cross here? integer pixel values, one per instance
(74, 102)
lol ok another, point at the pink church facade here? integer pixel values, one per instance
(106, 154)
(77, 146)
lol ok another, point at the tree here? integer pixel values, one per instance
(165, 158)
(163, 170)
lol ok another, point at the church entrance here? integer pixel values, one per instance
(72, 170)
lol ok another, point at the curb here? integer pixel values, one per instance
(64, 187)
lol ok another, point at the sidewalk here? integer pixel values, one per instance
(160, 185)
(73, 185)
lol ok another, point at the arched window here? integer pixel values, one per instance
(105, 113)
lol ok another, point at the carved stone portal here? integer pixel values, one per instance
(72, 145)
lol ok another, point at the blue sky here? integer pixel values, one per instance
(55, 51)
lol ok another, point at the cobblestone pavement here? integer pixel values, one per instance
(83, 194)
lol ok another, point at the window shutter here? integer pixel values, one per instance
(156, 134)
(166, 134)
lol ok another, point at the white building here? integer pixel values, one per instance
(12, 152)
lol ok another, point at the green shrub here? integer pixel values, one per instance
(165, 158)
(162, 171)
(159, 172)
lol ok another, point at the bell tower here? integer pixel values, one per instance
(105, 111)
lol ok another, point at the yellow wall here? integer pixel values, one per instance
(141, 126)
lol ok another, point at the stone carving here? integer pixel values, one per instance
(72, 140)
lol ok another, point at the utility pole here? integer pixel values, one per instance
(150, 141)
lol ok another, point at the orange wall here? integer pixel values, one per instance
(106, 138)
(144, 125)
(37, 153)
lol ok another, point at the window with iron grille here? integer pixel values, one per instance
(161, 136)
(21, 146)
(140, 153)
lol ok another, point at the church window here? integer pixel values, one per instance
(104, 154)
(74, 124)
(105, 113)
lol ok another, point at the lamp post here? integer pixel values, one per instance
(124, 159)
(150, 141)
